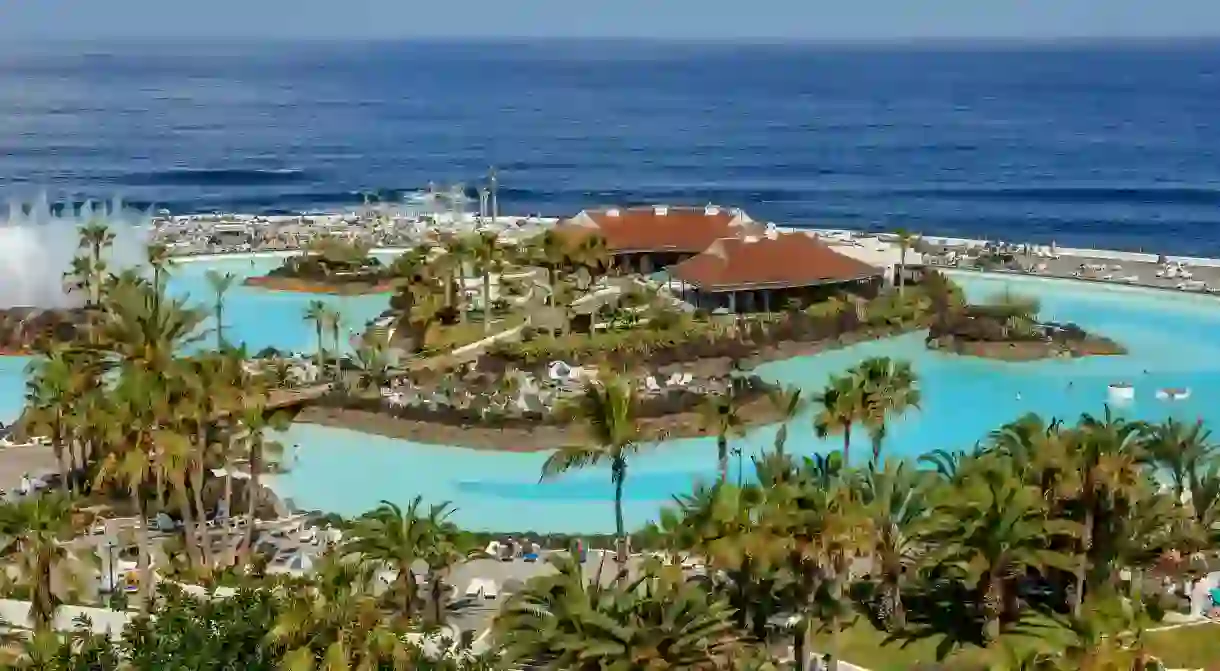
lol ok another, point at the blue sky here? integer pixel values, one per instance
(687, 19)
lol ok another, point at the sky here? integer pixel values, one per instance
(848, 20)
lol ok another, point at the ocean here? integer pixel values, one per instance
(1114, 145)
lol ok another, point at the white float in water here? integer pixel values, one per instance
(1173, 394)
(38, 241)
(1122, 393)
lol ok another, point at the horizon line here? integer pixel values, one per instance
(760, 40)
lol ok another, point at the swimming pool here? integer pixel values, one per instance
(1172, 340)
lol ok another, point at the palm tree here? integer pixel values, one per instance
(457, 253)
(895, 498)
(840, 406)
(993, 529)
(1178, 449)
(52, 387)
(905, 238)
(1109, 451)
(317, 313)
(658, 621)
(36, 531)
(334, 320)
(788, 403)
(608, 409)
(550, 250)
(447, 546)
(489, 257)
(397, 538)
(334, 622)
(719, 415)
(159, 260)
(220, 283)
(888, 388)
(94, 237)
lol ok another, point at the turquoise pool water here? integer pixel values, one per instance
(1172, 338)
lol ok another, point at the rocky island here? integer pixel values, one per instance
(329, 266)
(1007, 328)
(22, 328)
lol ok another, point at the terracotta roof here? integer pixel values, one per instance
(661, 228)
(772, 260)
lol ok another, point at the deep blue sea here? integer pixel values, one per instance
(1088, 144)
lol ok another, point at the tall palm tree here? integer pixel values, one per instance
(317, 313)
(608, 408)
(993, 529)
(905, 238)
(95, 237)
(788, 403)
(220, 283)
(397, 538)
(457, 254)
(52, 387)
(550, 250)
(838, 408)
(888, 388)
(719, 416)
(489, 257)
(1179, 449)
(35, 531)
(334, 320)
(447, 546)
(1109, 452)
(895, 497)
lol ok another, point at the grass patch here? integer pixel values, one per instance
(1192, 647)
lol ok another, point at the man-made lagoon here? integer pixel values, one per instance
(1174, 341)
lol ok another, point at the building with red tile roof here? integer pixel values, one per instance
(760, 271)
(651, 237)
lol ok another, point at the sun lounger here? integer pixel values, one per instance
(491, 591)
(650, 384)
(474, 589)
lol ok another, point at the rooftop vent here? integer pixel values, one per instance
(772, 232)
(711, 210)
(612, 212)
(661, 210)
(750, 239)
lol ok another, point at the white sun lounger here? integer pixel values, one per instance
(474, 589)
(490, 590)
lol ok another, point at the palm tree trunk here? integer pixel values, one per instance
(196, 486)
(256, 456)
(437, 585)
(57, 445)
(847, 445)
(190, 524)
(619, 474)
(321, 350)
(902, 264)
(143, 564)
(486, 302)
(799, 643)
(220, 331)
(722, 456)
(993, 603)
(1082, 568)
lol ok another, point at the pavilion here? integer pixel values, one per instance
(751, 273)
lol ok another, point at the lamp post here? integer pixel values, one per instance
(495, 186)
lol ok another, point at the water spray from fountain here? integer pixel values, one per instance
(38, 241)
